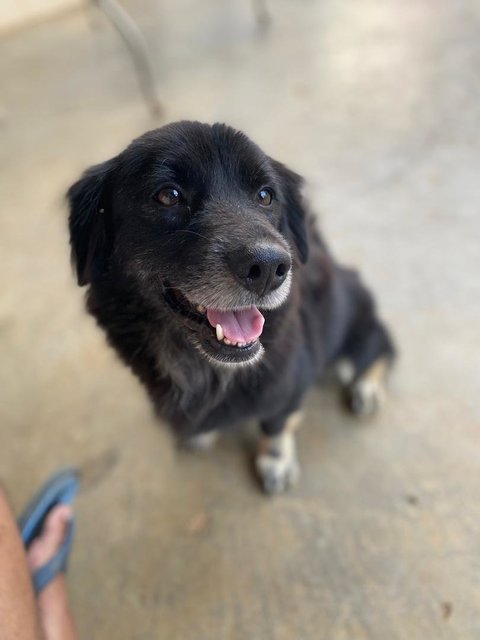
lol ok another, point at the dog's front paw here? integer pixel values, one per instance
(276, 474)
(277, 464)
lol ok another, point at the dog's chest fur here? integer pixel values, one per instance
(189, 392)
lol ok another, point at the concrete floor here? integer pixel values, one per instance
(377, 102)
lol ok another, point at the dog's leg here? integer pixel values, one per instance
(276, 462)
(367, 393)
(363, 370)
(367, 352)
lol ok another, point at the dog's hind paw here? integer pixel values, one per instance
(364, 400)
(277, 464)
(367, 393)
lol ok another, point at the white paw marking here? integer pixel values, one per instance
(366, 397)
(367, 394)
(277, 464)
(345, 371)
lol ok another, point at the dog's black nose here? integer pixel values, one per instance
(260, 269)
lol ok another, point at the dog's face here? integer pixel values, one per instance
(203, 224)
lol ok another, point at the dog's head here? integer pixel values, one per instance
(201, 222)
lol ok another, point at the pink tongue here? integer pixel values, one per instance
(238, 326)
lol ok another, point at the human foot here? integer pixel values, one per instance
(53, 603)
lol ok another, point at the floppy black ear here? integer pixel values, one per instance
(90, 221)
(296, 214)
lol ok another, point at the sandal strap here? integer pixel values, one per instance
(61, 488)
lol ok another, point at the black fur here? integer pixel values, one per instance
(130, 251)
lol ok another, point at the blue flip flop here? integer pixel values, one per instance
(60, 489)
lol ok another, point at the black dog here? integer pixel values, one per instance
(206, 272)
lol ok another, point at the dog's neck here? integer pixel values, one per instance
(196, 385)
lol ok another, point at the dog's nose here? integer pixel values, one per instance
(260, 269)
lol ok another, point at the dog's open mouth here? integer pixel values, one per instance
(229, 336)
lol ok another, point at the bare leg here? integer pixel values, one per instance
(24, 618)
(18, 609)
(53, 604)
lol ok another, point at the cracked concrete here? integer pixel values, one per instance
(377, 104)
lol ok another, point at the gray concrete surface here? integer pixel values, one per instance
(377, 103)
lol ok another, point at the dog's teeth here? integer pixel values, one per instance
(241, 344)
(227, 341)
(219, 331)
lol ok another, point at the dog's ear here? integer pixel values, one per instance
(295, 208)
(90, 221)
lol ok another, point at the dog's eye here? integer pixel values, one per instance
(265, 197)
(169, 196)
